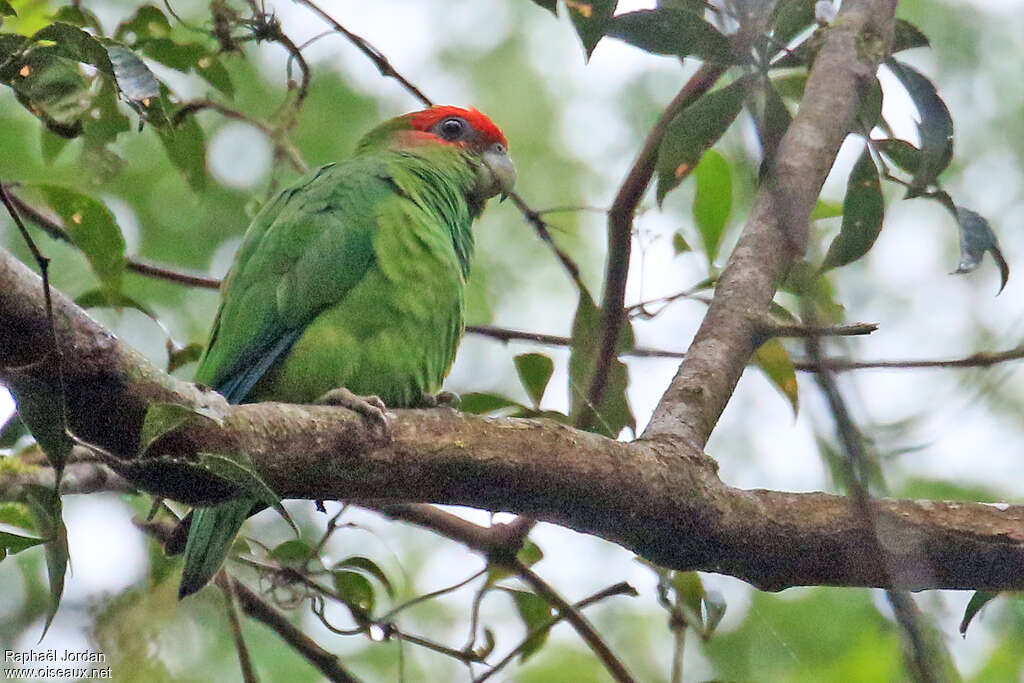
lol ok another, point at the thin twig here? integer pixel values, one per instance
(621, 588)
(541, 227)
(620, 235)
(227, 585)
(390, 614)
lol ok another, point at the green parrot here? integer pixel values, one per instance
(353, 279)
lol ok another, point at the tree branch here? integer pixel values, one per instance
(661, 499)
(778, 225)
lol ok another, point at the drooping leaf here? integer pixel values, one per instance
(94, 231)
(549, 5)
(41, 408)
(535, 370)
(12, 544)
(239, 471)
(134, 79)
(180, 357)
(978, 600)
(712, 202)
(666, 31)
(907, 36)
(790, 18)
(591, 18)
(977, 237)
(48, 512)
(75, 44)
(772, 124)
(186, 148)
(161, 419)
(935, 125)
(367, 566)
(614, 412)
(870, 111)
(535, 614)
(901, 153)
(694, 131)
(356, 591)
(773, 359)
(863, 212)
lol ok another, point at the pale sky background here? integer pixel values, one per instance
(927, 322)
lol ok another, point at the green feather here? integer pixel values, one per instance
(352, 277)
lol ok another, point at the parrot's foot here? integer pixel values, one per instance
(442, 399)
(370, 407)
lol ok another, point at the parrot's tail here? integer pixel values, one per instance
(210, 537)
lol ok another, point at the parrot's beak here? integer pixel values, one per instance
(503, 171)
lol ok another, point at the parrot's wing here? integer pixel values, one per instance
(303, 253)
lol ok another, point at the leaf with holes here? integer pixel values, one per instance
(712, 202)
(863, 213)
(694, 131)
(535, 370)
(935, 125)
(667, 31)
(774, 361)
(93, 229)
(590, 18)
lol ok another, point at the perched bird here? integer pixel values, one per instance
(352, 279)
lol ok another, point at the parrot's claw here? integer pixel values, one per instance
(370, 407)
(442, 399)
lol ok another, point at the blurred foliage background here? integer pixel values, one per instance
(574, 128)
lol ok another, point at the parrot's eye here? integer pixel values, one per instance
(453, 128)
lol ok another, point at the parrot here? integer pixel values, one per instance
(350, 283)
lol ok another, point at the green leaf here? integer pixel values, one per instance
(694, 131)
(614, 412)
(294, 551)
(935, 127)
(93, 230)
(18, 515)
(12, 544)
(180, 357)
(481, 403)
(368, 566)
(712, 202)
(978, 600)
(133, 77)
(549, 5)
(667, 31)
(870, 111)
(6, 10)
(52, 87)
(238, 470)
(74, 43)
(356, 591)
(185, 145)
(76, 16)
(863, 212)
(535, 370)
(773, 359)
(907, 36)
(901, 153)
(161, 419)
(591, 18)
(530, 554)
(40, 406)
(212, 70)
(148, 22)
(826, 209)
(96, 298)
(772, 124)
(536, 614)
(790, 18)
(50, 145)
(46, 507)
(679, 243)
(689, 589)
(976, 237)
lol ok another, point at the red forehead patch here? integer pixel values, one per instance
(425, 120)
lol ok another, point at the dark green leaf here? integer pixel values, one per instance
(14, 543)
(863, 211)
(712, 203)
(978, 600)
(47, 509)
(901, 153)
(52, 87)
(294, 551)
(40, 406)
(6, 10)
(480, 403)
(591, 18)
(356, 591)
(186, 148)
(212, 71)
(670, 32)
(976, 237)
(11, 432)
(148, 22)
(679, 243)
(51, 145)
(134, 78)
(614, 412)
(74, 43)
(240, 472)
(93, 230)
(549, 5)
(535, 370)
(790, 18)
(907, 36)
(772, 124)
(774, 361)
(161, 419)
(935, 127)
(694, 131)
(870, 111)
(535, 613)
(368, 566)
(96, 298)
(180, 357)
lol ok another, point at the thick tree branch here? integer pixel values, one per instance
(660, 499)
(778, 224)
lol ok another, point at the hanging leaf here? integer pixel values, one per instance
(870, 111)
(774, 361)
(535, 614)
(161, 419)
(180, 357)
(52, 87)
(772, 124)
(186, 148)
(41, 408)
(12, 544)
(901, 153)
(238, 470)
(790, 18)
(694, 131)
(667, 31)
(356, 591)
(46, 507)
(591, 18)
(75, 44)
(10, 433)
(863, 212)
(978, 600)
(976, 237)
(368, 566)
(935, 125)
(614, 412)
(549, 5)
(712, 202)
(134, 79)
(94, 231)
(535, 370)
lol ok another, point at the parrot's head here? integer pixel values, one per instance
(471, 132)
